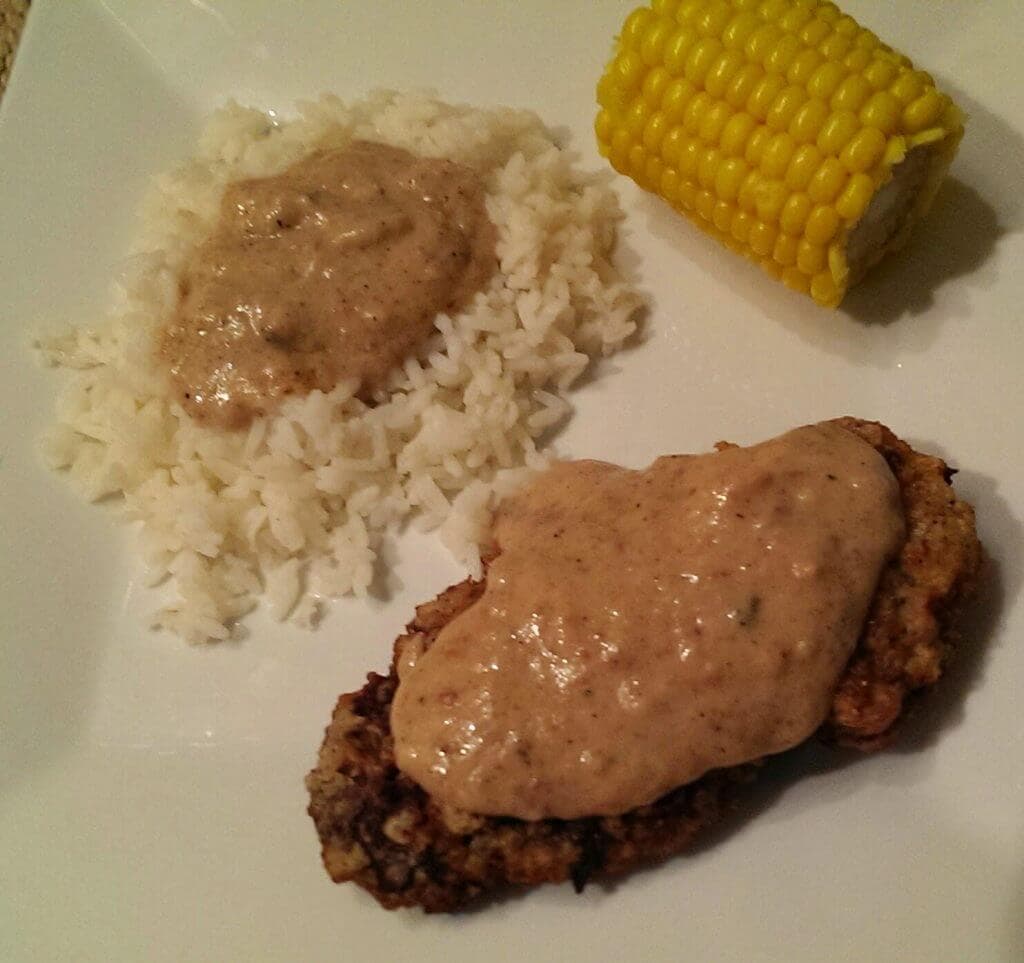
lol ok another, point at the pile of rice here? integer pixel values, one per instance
(293, 509)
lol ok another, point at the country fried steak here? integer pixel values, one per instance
(379, 829)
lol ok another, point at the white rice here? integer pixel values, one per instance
(293, 509)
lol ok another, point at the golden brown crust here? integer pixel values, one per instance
(909, 628)
(378, 828)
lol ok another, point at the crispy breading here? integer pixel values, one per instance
(380, 829)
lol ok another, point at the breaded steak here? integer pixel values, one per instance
(379, 829)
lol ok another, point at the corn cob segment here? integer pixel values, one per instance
(781, 127)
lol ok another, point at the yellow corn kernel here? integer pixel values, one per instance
(828, 12)
(851, 93)
(907, 87)
(714, 121)
(654, 41)
(785, 106)
(676, 97)
(810, 258)
(635, 27)
(773, 124)
(757, 145)
(882, 111)
(803, 66)
(835, 47)
(654, 131)
(653, 169)
(867, 41)
(706, 204)
(772, 10)
(742, 85)
(693, 117)
(668, 186)
(621, 141)
(822, 224)
(636, 117)
(808, 121)
(608, 92)
(857, 59)
(837, 131)
(628, 70)
(690, 10)
(729, 178)
(824, 81)
(764, 94)
(739, 29)
(704, 53)
(783, 54)
(794, 214)
(814, 32)
(794, 19)
(880, 73)
(854, 200)
(722, 216)
(824, 289)
(761, 238)
(802, 165)
(828, 181)
(677, 49)
(710, 159)
(761, 43)
(671, 144)
(654, 84)
(777, 155)
(922, 112)
(636, 160)
(689, 158)
(740, 226)
(771, 196)
(864, 150)
(736, 133)
(720, 74)
(784, 250)
(747, 197)
(847, 27)
(686, 195)
(713, 21)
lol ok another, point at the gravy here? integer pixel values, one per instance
(333, 269)
(639, 628)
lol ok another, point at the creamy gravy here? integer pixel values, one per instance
(333, 269)
(639, 628)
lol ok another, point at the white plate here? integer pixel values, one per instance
(152, 804)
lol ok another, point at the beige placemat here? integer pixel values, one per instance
(12, 19)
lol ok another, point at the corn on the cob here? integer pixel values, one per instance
(781, 127)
